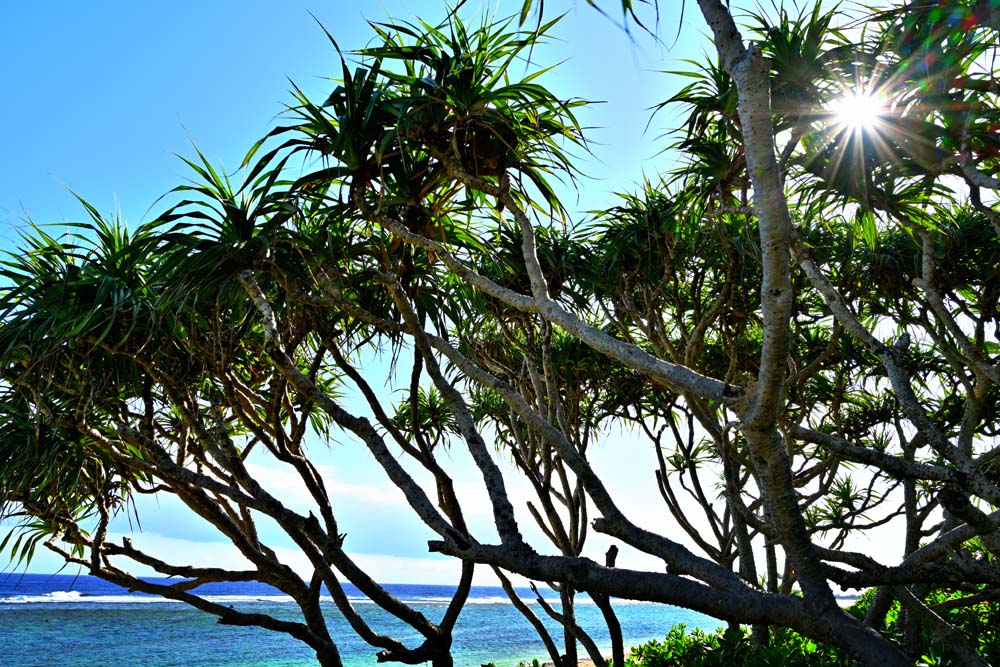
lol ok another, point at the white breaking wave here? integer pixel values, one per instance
(75, 597)
(435, 600)
(68, 597)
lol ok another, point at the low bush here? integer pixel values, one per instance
(734, 648)
(975, 613)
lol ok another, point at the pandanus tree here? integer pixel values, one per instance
(221, 335)
(156, 382)
(566, 382)
(802, 321)
(683, 285)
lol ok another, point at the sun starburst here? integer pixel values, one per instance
(857, 110)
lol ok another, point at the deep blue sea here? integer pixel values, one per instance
(80, 621)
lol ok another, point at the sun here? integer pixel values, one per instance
(857, 110)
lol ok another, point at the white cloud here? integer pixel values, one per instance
(284, 483)
(383, 568)
(366, 493)
(179, 551)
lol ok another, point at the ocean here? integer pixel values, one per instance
(80, 621)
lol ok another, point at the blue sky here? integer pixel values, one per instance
(100, 96)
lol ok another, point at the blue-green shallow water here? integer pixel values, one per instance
(58, 622)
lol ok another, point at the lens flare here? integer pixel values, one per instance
(857, 110)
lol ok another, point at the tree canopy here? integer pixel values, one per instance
(801, 318)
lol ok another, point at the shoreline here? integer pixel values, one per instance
(584, 661)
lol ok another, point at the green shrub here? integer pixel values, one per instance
(980, 622)
(732, 648)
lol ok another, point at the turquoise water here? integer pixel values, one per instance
(56, 622)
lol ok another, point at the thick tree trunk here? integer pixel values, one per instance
(761, 410)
